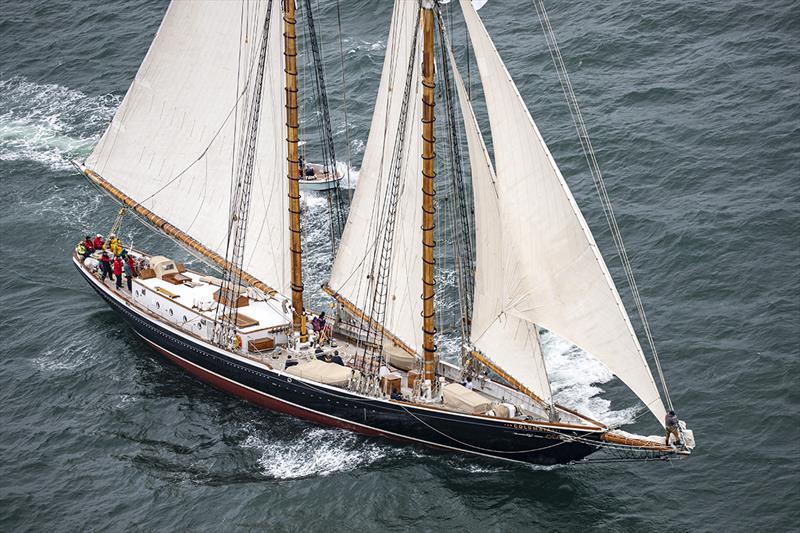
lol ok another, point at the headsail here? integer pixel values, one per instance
(174, 140)
(351, 275)
(559, 280)
(507, 341)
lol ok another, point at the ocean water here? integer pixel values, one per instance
(694, 110)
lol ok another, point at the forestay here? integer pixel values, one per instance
(173, 141)
(558, 279)
(352, 273)
(509, 342)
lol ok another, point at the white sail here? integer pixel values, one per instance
(351, 272)
(172, 142)
(507, 341)
(561, 281)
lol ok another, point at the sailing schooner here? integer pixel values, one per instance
(205, 148)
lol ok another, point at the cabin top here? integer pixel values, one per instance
(200, 293)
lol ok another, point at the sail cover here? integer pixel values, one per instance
(353, 269)
(557, 278)
(174, 139)
(506, 340)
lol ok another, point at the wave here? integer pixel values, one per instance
(575, 377)
(49, 123)
(316, 452)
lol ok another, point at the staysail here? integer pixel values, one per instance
(558, 278)
(509, 342)
(352, 274)
(174, 141)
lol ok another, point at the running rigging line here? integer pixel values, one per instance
(382, 256)
(597, 178)
(464, 248)
(326, 134)
(227, 311)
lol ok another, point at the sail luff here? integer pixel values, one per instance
(562, 282)
(296, 242)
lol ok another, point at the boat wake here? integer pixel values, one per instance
(68, 357)
(50, 123)
(315, 452)
(575, 377)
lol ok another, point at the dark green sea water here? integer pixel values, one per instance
(695, 113)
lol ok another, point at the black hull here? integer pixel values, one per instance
(496, 438)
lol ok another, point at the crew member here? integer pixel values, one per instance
(131, 263)
(87, 243)
(105, 266)
(118, 271)
(671, 425)
(114, 245)
(98, 243)
(127, 267)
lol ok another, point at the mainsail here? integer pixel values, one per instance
(555, 276)
(173, 143)
(352, 275)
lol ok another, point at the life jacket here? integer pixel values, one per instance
(98, 243)
(80, 249)
(117, 267)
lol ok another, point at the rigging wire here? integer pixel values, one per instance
(326, 130)
(227, 309)
(344, 91)
(380, 268)
(597, 178)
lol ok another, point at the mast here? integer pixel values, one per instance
(295, 243)
(428, 192)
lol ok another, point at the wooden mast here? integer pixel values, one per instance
(295, 243)
(428, 192)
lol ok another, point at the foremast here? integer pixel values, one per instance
(295, 242)
(428, 192)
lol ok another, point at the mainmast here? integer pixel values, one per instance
(428, 192)
(295, 243)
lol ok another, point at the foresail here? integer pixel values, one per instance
(562, 282)
(173, 141)
(352, 275)
(507, 341)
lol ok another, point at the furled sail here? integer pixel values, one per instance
(353, 273)
(175, 140)
(506, 340)
(559, 279)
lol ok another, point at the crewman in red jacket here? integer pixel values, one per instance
(98, 242)
(105, 266)
(118, 271)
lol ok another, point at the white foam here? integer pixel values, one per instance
(574, 378)
(66, 357)
(49, 123)
(317, 452)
